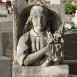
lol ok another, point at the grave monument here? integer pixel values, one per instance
(38, 37)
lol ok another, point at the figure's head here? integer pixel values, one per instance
(38, 18)
(42, 18)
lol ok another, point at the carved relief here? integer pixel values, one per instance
(41, 40)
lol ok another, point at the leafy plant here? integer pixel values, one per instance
(69, 8)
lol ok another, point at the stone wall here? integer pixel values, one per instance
(6, 46)
(6, 38)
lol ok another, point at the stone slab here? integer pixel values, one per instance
(1, 49)
(5, 67)
(55, 1)
(6, 25)
(51, 71)
(72, 75)
(7, 44)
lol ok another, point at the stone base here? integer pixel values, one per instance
(5, 67)
(72, 75)
(37, 71)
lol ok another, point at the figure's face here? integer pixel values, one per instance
(38, 18)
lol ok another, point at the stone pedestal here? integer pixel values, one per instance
(5, 67)
(51, 71)
(72, 75)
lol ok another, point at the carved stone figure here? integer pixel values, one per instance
(38, 46)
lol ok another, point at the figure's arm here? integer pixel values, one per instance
(47, 62)
(24, 55)
(32, 58)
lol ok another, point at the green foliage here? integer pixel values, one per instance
(74, 27)
(69, 9)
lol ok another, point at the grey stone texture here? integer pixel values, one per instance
(6, 36)
(55, 2)
(51, 71)
(72, 75)
(6, 26)
(7, 42)
(1, 48)
(36, 33)
(59, 9)
(19, 14)
(5, 67)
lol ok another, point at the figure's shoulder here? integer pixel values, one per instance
(25, 36)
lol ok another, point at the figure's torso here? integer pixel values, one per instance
(38, 42)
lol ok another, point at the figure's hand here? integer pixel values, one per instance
(47, 62)
(50, 58)
(55, 60)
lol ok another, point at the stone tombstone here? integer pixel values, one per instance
(38, 42)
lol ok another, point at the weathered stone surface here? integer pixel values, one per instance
(51, 71)
(72, 75)
(6, 25)
(6, 37)
(7, 44)
(5, 67)
(59, 9)
(55, 1)
(1, 48)
(19, 17)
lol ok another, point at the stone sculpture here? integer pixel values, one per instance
(38, 46)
